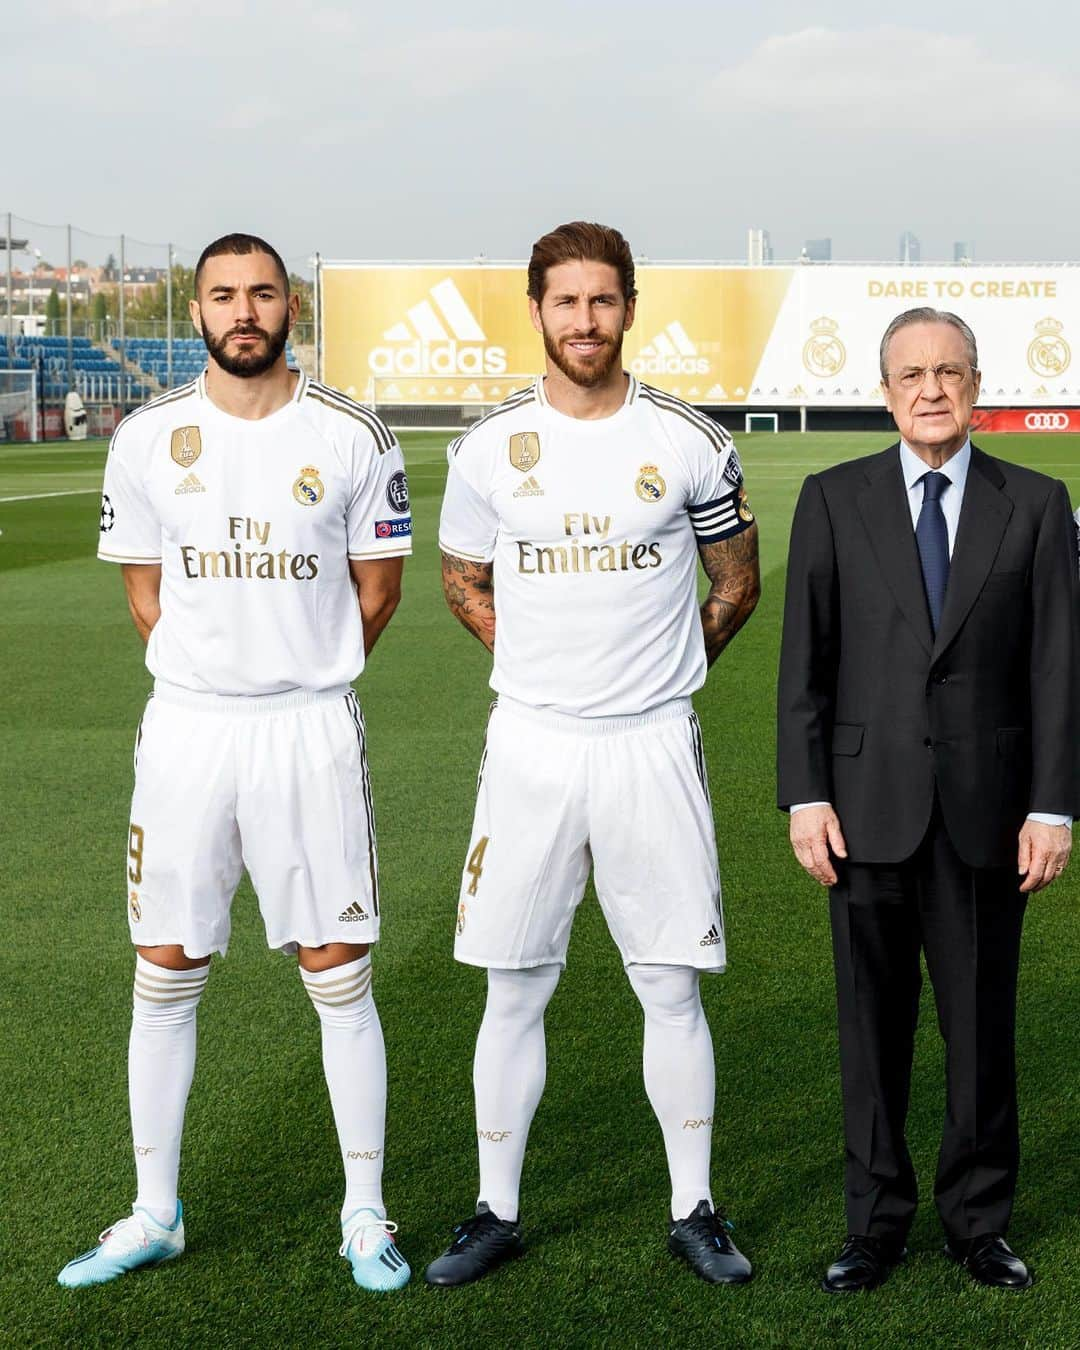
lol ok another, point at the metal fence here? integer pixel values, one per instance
(85, 350)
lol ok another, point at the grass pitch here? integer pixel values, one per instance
(261, 1174)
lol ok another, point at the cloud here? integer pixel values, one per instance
(905, 81)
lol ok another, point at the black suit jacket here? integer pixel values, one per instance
(876, 713)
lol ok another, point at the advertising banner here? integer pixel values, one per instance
(713, 335)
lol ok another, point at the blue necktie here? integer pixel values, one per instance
(932, 537)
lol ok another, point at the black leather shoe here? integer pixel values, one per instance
(864, 1263)
(989, 1259)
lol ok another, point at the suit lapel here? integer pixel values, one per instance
(887, 517)
(983, 517)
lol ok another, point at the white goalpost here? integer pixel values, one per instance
(762, 421)
(19, 419)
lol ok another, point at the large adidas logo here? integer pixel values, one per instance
(439, 336)
(188, 484)
(671, 352)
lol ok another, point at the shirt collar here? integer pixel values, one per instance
(955, 470)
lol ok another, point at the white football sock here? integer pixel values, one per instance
(354, 1061)
(161, 1062)
(509, 1069)
(680, 1076)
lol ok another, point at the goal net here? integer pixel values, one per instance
(440, 402)
(18, 405)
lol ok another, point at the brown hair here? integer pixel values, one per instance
(240, 244)
(581, 241)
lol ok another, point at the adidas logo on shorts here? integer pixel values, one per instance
(189, 484)
(356, 913)
(711, 938)
(530, 488)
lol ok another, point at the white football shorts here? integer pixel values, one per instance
(625, 795)
(277, 784)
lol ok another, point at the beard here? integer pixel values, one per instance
(247, 363)
(586, 375)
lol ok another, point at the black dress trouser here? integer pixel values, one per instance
(967, 922)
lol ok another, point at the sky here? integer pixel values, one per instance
(431, 131)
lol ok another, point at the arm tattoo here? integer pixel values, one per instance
(469, 588)
(732, 567)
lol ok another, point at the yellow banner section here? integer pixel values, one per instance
(460, 334)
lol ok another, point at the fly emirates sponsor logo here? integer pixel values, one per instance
(248, 556)
(589, 549)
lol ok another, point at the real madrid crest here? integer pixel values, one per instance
(823, 353)
(525, 450)
(1048, 353)
(186, 446)
(744, 507)
(308, 488)
(650, 487)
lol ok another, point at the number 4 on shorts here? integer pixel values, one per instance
(475, 865)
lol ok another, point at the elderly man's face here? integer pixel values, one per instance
(932, 413)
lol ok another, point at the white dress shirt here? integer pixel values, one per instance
(955, 470)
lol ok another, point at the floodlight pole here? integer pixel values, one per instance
(123, 353)
(9, 280)
(317, 316)
(70, 351)
(168, 318)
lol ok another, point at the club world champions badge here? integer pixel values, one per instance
(185, 446)
(525, 450)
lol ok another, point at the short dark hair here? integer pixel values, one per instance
(581, 241)
(925, 314)
(240, 244)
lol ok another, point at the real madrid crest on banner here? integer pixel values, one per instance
(745, 513)
(186, 446)
(823, 353)
(1048, 353)
(525, 450)
(650, 487)
(308, 489)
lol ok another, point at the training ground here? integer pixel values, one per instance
(261, 1172)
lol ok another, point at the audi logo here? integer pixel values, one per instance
(1047, 421)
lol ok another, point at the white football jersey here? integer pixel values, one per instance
(254, 524)
(593, 528)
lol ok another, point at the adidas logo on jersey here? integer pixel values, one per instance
(439, 336)
(671, 352)
(530, 488)
(712, 937)
(189, 484)
(356, 913)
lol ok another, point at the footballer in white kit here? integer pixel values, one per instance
(574, 518)
(261, 520)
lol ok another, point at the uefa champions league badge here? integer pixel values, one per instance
(397, 493)
(308, 488)
(650, 487)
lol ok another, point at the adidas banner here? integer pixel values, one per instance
(454, 333)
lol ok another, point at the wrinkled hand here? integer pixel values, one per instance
(814, 831)
(1043, 854)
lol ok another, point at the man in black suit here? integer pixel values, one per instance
(928, 733)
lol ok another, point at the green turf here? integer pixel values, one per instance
(261, 1172)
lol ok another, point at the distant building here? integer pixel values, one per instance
(758, 247)
(963, 251)
(910, 248)
(817, 250)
